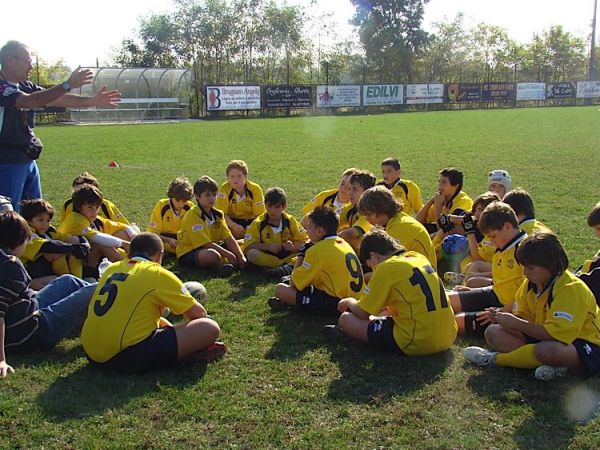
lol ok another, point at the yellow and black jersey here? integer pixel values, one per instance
(590, 264)
(531, 225)
(507, 273)
(250, 205)
(409, 287)
(324, 198)
(164, 219)
(33, 247)
(127, 304)
(412, 235)
(199, 228)
(458, 204)
(108, 210)
(350, 218)
(261, 231)
(408, 192)
(78, 225)
(566, 308)
(330, 265)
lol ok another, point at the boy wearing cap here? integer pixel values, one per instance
(499, 182)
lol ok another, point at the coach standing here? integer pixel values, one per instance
(19, 147)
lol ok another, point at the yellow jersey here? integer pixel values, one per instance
(76, 224)
(507, 273)
(261, 231)
(408, 192)
(325, 198)
(350, 218)
(34, 245)
(164, 219)
(330, 265)
(199, 228)
(566, 308)
(126, 306)
(250, 205)
(590, 264)
(460, 202)
(108, 210)
(532, 225)
(409, 287)
(411, 234)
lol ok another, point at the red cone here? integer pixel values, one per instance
(113, 163)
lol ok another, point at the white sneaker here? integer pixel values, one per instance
(546, 373)
(479, 356)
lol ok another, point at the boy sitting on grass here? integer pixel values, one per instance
(352, 225)
(379, 206)
(473, 306)
(404, 190)
(32, 320)
(404, 309)
(124, 330)
(589, 272)
(499, 182)
(204, 240)
(272, 241)
(327, 269)
(239, 199)
(554, 327)
(522, 204)
(168, 213)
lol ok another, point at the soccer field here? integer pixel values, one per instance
(283, 384)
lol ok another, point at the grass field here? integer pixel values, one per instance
(283, 384)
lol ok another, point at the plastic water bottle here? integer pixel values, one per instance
(103, 266)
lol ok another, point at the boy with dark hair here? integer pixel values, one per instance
(352, 225)
(404, 190)
(499, 223)
(555, 323)
(449, 199)
(239, 199)
(30, 320)
(168, 213)
(379, 206)
(419, 320)
(327, 269)
(46, 255)
(204, 240)
(124, 330)
(522, 204)
(273, 240)
(108, 209)
(589, 272)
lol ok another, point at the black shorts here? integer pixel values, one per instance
(478, 299)
(41, 267)
(169, 235)
(189, 259)
(242, 222)
(157, 351)
(314, 301)
(589, 354)
(381, 335)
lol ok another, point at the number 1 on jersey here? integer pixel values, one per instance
(419, 279)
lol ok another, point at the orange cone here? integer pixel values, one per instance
(113, 163)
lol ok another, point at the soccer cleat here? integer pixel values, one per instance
(454, 277)
(479, 356)
(546, 373)
(225, 270)
(278, 272)
(277, 305)
(214, 351)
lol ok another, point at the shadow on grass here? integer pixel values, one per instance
(245, 284)
(89, 391)
(558, 406)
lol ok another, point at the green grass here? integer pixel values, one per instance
(283, 384)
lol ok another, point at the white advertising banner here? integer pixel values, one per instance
(383, 94)
(334, 96)
(588, 89)
(424, 93)
(531, 91)
(227, 98)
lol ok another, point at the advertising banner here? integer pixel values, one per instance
(227, 98)
(424, 93)
(334, 96)
(560, 90)
(492, 92)
(464, 92)
(588, 89)
(383, 94)
(285, 96)
(531, 91)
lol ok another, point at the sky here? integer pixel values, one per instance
(80, 35)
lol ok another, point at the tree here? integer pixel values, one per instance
(50, 73)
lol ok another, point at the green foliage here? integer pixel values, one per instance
(50, 73)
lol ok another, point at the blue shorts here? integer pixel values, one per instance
(589, 354)
(157, 351)
(381, 335)
(314, 301)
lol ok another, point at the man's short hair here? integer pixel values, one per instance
(378, 241)
(495, 215)
(594, 216)
(180, 189)
(86, 194)
(454, 175)
(275, 196)
(392, 162)
(326, 218)
(146, 245)
(364, 178)
(85, 178)
(14, 230)
(11, 49)
(543, 249)
(379, 200)
(205, 184)
(35, 207)
(237, 164)
(485, 199)
(520, 201)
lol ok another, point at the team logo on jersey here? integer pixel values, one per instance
(306, 265)
(152, 224)
(184, 290)
(198, 227)
(86, 230)
(248, 237)
(563, 315)
(220, 195)
(367, 291)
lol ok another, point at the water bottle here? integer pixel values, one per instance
(103, 266)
